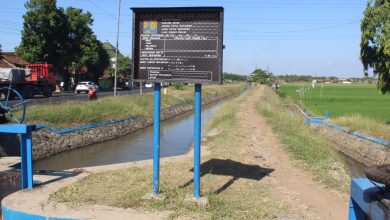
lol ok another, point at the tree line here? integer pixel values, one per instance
(64, 37)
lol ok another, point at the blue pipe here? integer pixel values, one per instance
(156, 137)
(197, 133)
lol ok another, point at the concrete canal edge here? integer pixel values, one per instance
(361, 148)
(36, 204)
(14, 214)
(49, 141)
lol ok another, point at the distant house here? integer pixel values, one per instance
(11, 60)
(111, 51)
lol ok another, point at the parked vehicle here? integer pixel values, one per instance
(148, 85)
(85, 86)
(126, 84)
(36, 79)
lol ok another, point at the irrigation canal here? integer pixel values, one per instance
(176, 139)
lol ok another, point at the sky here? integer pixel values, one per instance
(303, 37)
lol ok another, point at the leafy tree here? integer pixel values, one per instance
(261, 76)
(1, 49)
(96, 58)
(61, 37)
(86, 50)
(234, 77)
(124, 67)
(44, 34)
(79, 33)
(375, 41)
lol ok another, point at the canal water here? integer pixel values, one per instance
(175, 139)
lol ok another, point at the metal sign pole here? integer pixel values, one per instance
(156, 138)
(197, 133)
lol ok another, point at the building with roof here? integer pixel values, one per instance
(11, 60)
(111, 51)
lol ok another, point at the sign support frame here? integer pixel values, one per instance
(156, 138)
(197, 138)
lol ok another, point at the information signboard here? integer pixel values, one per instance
(178, 44)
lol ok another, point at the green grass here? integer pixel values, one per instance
(342, 100)
(312, 149)
(78, 113)
(359, 107)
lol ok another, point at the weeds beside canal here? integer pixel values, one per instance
(312, 149)
(75, 113)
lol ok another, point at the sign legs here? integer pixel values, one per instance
(197, 133)
(156, 138)
(197, 138)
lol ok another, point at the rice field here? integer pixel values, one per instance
(341, 99)
(359, 107)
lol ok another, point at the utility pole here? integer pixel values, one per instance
(117, 45)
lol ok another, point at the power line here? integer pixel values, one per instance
(295, 31)
(101, 9)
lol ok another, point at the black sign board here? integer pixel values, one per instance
(178, 44)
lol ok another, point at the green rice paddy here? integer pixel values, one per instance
(341, 100)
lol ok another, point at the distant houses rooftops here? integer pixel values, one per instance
(111, 50)
(11, 60)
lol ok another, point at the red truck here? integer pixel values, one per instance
(36, 79)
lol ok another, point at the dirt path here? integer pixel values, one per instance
(292, 185)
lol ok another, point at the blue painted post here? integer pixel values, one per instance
(26, 166)
(326, 115)
(197, 133)
(156, 138)
(23, 160)
(29, 161)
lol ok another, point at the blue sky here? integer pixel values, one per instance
(310, 37)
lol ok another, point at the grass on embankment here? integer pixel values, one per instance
(359, 107)
(78, 113)
(228, 198)
(312, 149)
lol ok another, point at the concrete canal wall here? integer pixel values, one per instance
(360, 149)
(364, 149)
(48, 141)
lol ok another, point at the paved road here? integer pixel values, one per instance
(64, 97)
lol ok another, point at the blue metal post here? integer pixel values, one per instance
(29, 159)
(197, 133)
(326, 115)
(26, 166)
(156, 137)
(23, 160)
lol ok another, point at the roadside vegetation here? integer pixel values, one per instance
(359, 107)
(231, 194)
(310, 148)
(78, 113)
